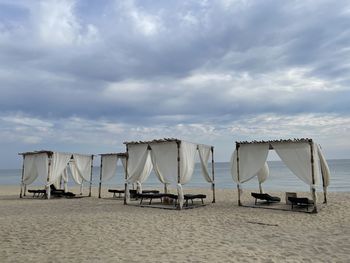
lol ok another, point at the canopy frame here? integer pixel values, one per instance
(49, 155)
(178, 143)
(302, 140)
(119, 155)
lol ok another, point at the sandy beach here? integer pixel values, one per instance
(105, 230)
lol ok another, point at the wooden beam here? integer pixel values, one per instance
(92, 166)
(100, 184)
(238, 188)
(212, 172)
(20, 194)
(313, 190)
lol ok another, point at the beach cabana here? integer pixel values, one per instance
(172, 160)
(51, 168)
(302, 156)
(108, 167)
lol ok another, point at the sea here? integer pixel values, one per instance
(280, 178)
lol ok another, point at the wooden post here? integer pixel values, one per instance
(20, 194)
(238, 188)
(212, 172)
(92, 165)
(324, 189)
(48, 190)
(100, 184)
(178, 166)
(25, 190)
(126, 175)
(165, 188)
(313, 191)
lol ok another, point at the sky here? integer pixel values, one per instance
(86, 75)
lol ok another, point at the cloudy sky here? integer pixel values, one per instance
(85, 76)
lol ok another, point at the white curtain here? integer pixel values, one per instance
(297, 157)
(204, 154)
(164, 160)
(139, 163)
(83, 164)
(180, 194)
(123, 160)
(263, 173)
(59, 162)
(35, 167)
(109, 167)
(75, 173)
(187, 161)
(65, 179)
(324, 167)
(252, 158)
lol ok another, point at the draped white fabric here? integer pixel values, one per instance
(204, 154)
(59, 162)
(35, 167)
(109, 167)
(187, 161)
(83, 164)
(138, 187)
(297, 157)
(180, 194)
(252, 158)
(139, 163)
(263, 173)
(164, 160)
(75, 173)
(65, 179)
(123, 160)
(30, 172)
(324, 167)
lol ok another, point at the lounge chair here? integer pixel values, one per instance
(38, 193)
(133, 193)
(301, 201)
(266, 197)
(192, 197)
(152, 196)
(60, 192)
(115, 192)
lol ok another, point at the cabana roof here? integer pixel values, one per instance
(164, 140)
(299, 140)
(120, 155)
(154, 141)
(37, 152)
(49, 153)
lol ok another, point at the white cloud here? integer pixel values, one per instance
(142, 21)
(58, 24)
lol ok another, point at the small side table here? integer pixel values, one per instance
(290, 194)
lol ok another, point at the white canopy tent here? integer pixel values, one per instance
(302, 156)
(50, 168)
(108, 168)
(172, 160)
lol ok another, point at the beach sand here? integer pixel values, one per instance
(105, 230)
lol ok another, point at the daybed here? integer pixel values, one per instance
(301, 201)
(266, 197)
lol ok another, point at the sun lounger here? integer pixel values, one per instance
(60, 192)
(301, 201)
(266, 197)
(115, 192)
(152, 196)
(191, 197)
(38, 193)
(134, 192)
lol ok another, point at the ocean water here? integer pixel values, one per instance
(280, 179)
